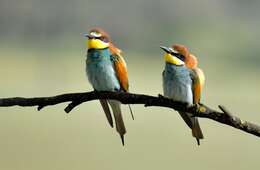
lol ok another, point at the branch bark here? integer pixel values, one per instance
(75, 99)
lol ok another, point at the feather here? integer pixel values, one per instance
(191, 61)
(197, 85)
(120, 126)
(187, 119)
(107, 111)
(121, 71)
(122, 75)
(193, 123)
(196, 130)
(198, 80)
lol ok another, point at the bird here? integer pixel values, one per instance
(183, 81)
(107, 71)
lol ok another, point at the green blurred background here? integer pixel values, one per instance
(42, 53)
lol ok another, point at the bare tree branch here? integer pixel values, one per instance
(75, 99)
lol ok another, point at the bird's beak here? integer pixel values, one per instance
(166, 49)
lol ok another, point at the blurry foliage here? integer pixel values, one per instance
(228, 28)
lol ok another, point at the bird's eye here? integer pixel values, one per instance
(181, 57)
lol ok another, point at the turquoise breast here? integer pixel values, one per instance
(100, 70)
(177, 83)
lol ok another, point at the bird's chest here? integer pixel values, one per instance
(177, 84)
(101, 73)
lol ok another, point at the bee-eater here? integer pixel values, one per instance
(106, 71)
(183, 81)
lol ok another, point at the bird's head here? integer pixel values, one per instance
(189, 59)
(97, 39)
(173, 57)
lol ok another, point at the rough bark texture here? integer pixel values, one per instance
(75, 99)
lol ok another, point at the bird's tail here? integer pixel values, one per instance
(193, 123)
(120, 126)
(196, 130)
(107, 111)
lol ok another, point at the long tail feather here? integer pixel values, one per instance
(131, 112)
(120, 126)
(187, 119)
(196, 130)
(106, 109)
(123, 140)
(193, 123)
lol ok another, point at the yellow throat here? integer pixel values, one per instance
(96, 44)
(172, 59)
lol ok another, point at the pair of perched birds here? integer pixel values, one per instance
(106, 71)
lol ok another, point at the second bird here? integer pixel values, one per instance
(106, 71)
(183, 81)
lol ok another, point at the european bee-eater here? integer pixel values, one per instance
(183, 81)
(106, 71)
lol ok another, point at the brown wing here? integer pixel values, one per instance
(120, 67)
(122, 75)
(121, 72)
(198, 78)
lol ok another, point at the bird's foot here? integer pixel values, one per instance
(200, 108)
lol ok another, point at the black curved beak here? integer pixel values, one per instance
(166, 49)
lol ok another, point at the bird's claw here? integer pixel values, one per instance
(200, 108)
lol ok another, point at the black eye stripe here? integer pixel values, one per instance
(104, 39)
(179, 56)
(101, 38)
